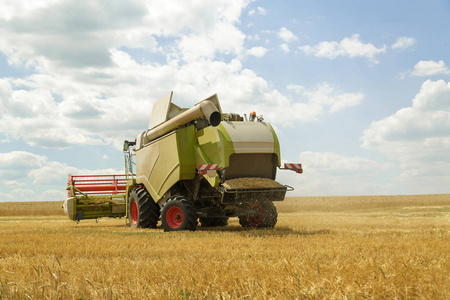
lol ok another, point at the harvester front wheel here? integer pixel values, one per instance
(261, 214)
(178, 214)
(143, 211)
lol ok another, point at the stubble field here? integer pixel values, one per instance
(322, 247)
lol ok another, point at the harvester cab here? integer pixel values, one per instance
(191, 165)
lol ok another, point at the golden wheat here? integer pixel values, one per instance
(48, 208)
(372, 251)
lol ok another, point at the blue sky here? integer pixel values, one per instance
(358, 91)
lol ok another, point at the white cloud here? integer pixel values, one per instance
(44, 180)
(251, 92)
(71, 101)
(35, 116)
(47, 36)
(285, 48)
(16, 164)
(407, 132)
(324, 98)
(51, 195)
(18, 195)
(13, 8)
(418, 137)
(349, 46)
(55, 172)
(286, 35)
(257, 51)
(13, 183)
(85, 116)
(28, 195)
(259, 11)
(334, 164)
(253, 37)
(331, 174)
(223, 38)
(403, 43)
(430, 68)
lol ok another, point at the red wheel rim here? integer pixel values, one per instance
(255, 220)
(174, 217)
(134, 213)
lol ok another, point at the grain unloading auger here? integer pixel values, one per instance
(191, 164)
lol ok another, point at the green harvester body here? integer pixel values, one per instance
(190, 164)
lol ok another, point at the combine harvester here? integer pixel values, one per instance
(191, 164)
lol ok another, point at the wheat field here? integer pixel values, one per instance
(322, 247)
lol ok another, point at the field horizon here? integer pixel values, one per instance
(304, 203)
(322, 247)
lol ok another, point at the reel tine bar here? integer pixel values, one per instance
(96, 184)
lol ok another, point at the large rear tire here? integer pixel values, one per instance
(178, 214)
(143, 211)
(262, 214)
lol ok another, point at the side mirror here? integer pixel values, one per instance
(125, 146)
